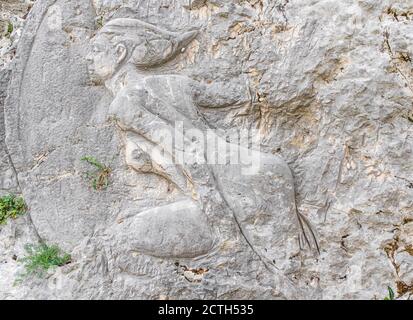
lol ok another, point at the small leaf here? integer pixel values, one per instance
(10, 28)
(391, 293)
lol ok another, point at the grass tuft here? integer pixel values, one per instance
(40, 258)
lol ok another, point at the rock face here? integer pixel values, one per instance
(325, 90)
(12, 17)
(8, 182)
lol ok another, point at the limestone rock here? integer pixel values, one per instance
(327, 87)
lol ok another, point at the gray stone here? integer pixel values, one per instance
(327, 86)
(8, 182)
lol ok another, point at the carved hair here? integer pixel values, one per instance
(149, 45)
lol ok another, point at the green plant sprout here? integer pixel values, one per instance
(99, 178)
(10, 29)
(99, 22)
(391, 294)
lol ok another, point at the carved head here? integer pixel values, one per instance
(133, 41)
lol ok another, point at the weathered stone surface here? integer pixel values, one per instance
(12, 17)
(328, 85)
(8, 182)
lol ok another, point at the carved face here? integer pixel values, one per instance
(104, 58)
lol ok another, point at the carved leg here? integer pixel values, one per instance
(264, 205)
(178, 230)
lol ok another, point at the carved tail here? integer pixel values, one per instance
(307, 235)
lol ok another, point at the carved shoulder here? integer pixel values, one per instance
(219, 94)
